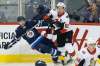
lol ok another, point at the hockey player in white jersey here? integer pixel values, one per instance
(59, 14)
(61, 29)
(88, 56)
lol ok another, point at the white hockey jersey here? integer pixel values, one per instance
(64, 18)
(90, 59)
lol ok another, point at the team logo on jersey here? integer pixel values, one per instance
(30, 34)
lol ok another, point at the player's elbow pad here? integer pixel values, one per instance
(81, 62)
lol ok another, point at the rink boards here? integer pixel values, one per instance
(22, 52)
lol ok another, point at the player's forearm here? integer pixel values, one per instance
(14, 41)
(10, 44)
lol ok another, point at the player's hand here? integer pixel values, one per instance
(7, 46)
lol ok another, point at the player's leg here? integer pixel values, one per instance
(66, 47)
(50, 43)
(69, 46)
(43, 46)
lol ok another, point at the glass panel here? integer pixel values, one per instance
(8, 10)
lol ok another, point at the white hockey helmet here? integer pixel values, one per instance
(61, 4)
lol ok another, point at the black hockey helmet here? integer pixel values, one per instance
(40, 63)
(43, 9)
(20, 18)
